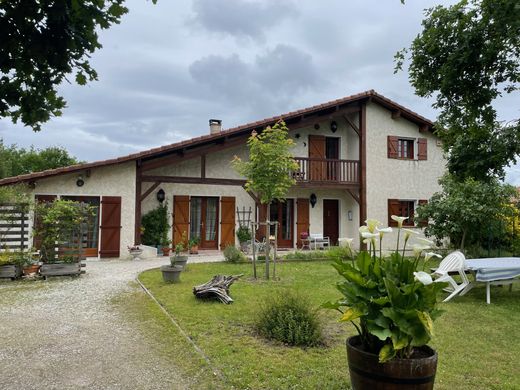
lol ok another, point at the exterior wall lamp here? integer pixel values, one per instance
(313, 199)
(161, 195)
(80, 182)
(349, 215)
(333, 126)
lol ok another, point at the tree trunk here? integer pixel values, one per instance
(253, 242)
(462, 240)
(217, 287)
(267, 241)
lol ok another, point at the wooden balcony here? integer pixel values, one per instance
(328, 172)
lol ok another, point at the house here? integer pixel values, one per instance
(362, 155)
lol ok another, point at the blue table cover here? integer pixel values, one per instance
(498, 268)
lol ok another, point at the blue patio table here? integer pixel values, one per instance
(493, 271)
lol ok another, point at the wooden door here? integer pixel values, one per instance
(302, 218)
(316, 151)
(181, 218)
(40, 199)
(227, 222)
(110, 226)
(283, 213)
(331, 220)
(204, 221)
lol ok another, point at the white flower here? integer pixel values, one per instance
(423, 277)
(346, 242)
(408, 233)
(399, 220)
(366, 241)
(372, 224)
(429, 255)
(383, 231)
(425, 241)
(418, 249)
(369, 235)
(363, 229)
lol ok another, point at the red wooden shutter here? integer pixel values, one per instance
(110, 226)
(392, 142)
(394, 208)
(181, 217)
(424, 221)
(422, 145)
(317, 151)
(262, 214)
(227, 221)
(302, 224)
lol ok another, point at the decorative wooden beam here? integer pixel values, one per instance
(255, 198)
(356, 198)
(203, 166)
(351, 124)
(173, 158)
(138, 188)
(396, 114)
(193, 180)
(363, 162)
(150, 190)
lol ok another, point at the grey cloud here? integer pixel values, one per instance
(271, 82)
(241, 18)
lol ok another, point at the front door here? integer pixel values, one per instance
(91, 229)
(203, 221)
(283, 212)
(331, 220)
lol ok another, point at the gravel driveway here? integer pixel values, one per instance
(65, 334)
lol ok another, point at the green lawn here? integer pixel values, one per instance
(478, 344)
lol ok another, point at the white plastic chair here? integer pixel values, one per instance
(318, 241)
(454, 262)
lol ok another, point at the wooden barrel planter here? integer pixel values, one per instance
(10, 271)
(366, 373)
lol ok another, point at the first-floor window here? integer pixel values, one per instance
(404, 208)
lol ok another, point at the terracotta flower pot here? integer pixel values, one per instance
(31, 269)
(366, 373)
(166, 251)
(194, 250)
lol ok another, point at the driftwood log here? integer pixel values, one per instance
(217, 287)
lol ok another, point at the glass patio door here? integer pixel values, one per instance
(283, 212)
(204, 221)
(90, 230)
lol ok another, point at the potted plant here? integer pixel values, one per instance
(193, 243)
(304, 235)
(244, 237)
(166, 246)
(31, 264)
(10, 266)
(135, 251)
(171, 273)
(392, 306)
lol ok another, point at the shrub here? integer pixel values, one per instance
(243, 234)
(306, 255)
(155, 224)
(289, 318)
(233, 254)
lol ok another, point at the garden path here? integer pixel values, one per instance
(66, 333)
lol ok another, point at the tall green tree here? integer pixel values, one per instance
(468, 55)
(468, 211)
(18, 161)
(42, 42)
(268, 171)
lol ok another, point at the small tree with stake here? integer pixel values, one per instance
(268, 171)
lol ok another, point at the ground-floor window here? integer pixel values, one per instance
(401, 208)
(204, 221)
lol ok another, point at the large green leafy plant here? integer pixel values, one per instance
(391, 304)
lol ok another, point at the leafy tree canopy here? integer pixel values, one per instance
(467, 211)
(18, 161)
(42, 42)
(270, 163)
(468, 55)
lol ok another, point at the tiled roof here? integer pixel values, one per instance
(371, 94)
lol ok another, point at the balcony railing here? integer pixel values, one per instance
(316, 170)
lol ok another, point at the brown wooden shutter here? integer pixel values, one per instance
(302, 223)
(317, 151)
(37, 242)
(422, 222)
(262, 214)
(422, 152)
(110, 226)
(181, 217)
(392, 142)
(227, 221)
(394, 208)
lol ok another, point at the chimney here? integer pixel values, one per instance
(215, 126)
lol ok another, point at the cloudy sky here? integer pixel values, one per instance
(168, 68)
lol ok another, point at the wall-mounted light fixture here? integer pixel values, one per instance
(349, 215)
(161, 195)
(333, 126)
(313, 199)
(316, 126)
(80, 182)
(297, 135)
